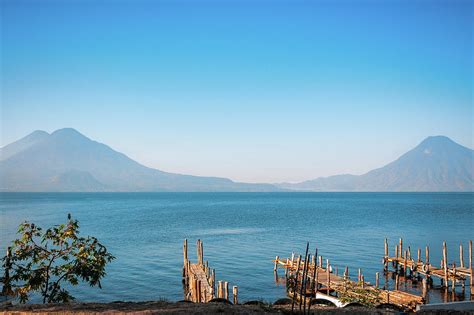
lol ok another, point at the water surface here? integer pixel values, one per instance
(242, 233)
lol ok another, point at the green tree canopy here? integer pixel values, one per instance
(42, 261)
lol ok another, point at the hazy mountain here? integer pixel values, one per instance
(436, 164)
(68, 161)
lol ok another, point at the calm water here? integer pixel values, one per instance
(242, 233)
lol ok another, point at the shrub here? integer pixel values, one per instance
(41, 261)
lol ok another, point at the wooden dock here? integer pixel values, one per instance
(406, 265)
(199, 281)
(309, 280)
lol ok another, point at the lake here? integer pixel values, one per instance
(242, 233)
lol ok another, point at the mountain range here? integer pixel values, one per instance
(436, 164)
(67, 161)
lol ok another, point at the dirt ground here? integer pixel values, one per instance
(145, 308)
(171, 308)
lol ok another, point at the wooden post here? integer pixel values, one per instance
(453, 282)
(362, 281)
(471, 284)
(314, 288)
(409, 253)
(235, 293)
(376, 280)
(427, 255)
(425, 289)
(199, 297)
(321, 261)
(418, 260)
(445, 263)
(346, 273)
(286, 266)
(400, 251)
(202, 252)
(296, 284)
(386, 248)
(396, 251)
(276, 263)
(212, 282)
(185, 252)
(219, 289)
(461, 256)
(328, 275)
(226, 290)
(303, 275)
(195, 289)
(359, 276)
(198, 251)
(396, 282)
(292, 258)
(405, 263)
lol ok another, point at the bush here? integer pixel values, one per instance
(42, 261)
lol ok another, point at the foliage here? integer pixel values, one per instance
(41, 261)
(355, 293)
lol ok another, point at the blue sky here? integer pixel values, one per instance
(257, 91)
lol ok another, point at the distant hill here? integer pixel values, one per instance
(67, 161)
(436, 164)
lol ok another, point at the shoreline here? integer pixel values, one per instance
(182, 307)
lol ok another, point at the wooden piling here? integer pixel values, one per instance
(453, 282)
(445, 263)
(328, 275)
(362, 281)
(461, 256)
(471, 284)
(400, 251)
(377, 280)
(427, 255)
(202, 252)
(396, 282)
(418, 260)
(405, 264)
(219, 289)
(199, 294)
(303, 276)
(195, 287)
(295, 283)
(235, 293)
(226, 290)
(425, 289)
(276, 263)
(386, 248)
(185, 252)
(314, 287)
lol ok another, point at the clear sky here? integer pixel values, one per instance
(256, 91)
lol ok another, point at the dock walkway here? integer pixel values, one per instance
(308, 281)
(199, 281)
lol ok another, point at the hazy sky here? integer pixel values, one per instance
(257, 91)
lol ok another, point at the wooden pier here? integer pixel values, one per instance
(309, 280)
(406, 265)
(199, 281)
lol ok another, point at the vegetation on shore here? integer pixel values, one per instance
(42, 261)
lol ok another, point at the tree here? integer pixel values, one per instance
(42, 261)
